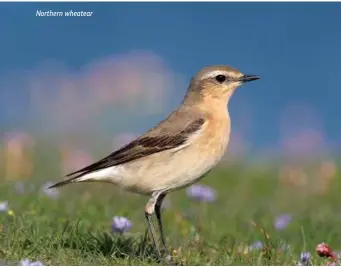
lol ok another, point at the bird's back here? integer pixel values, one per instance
(177, 121)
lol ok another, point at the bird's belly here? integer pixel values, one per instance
(168, 172)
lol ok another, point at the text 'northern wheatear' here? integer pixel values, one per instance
(179, 150)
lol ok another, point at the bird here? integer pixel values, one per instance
(178, 151)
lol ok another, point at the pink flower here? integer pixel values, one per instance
(323, 250)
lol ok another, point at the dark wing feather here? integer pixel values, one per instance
(141, 147)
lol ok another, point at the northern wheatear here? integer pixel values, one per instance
(178, 151)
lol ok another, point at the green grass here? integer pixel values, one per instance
(75, 229)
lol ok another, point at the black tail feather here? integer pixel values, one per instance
(65, 182)
(62, 183)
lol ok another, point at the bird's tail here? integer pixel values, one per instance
(75, 179)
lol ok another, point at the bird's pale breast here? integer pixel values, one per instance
(169, 170)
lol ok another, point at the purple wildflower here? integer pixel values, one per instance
(305, 256)
(282, 221)
(120, 224)
(27, 262)
(4, 206)
(256, 245)
(52, 193)
(202, 193)
(304, 259)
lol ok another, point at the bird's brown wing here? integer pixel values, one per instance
(144, 146)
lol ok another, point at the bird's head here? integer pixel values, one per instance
(218, 82)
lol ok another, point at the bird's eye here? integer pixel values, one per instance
(220, 78)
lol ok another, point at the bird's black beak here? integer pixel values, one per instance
(248, 78)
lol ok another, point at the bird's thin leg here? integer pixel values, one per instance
(152, 231)
(159, 220)
(149, 210)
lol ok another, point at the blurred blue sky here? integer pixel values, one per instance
(294, 47)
